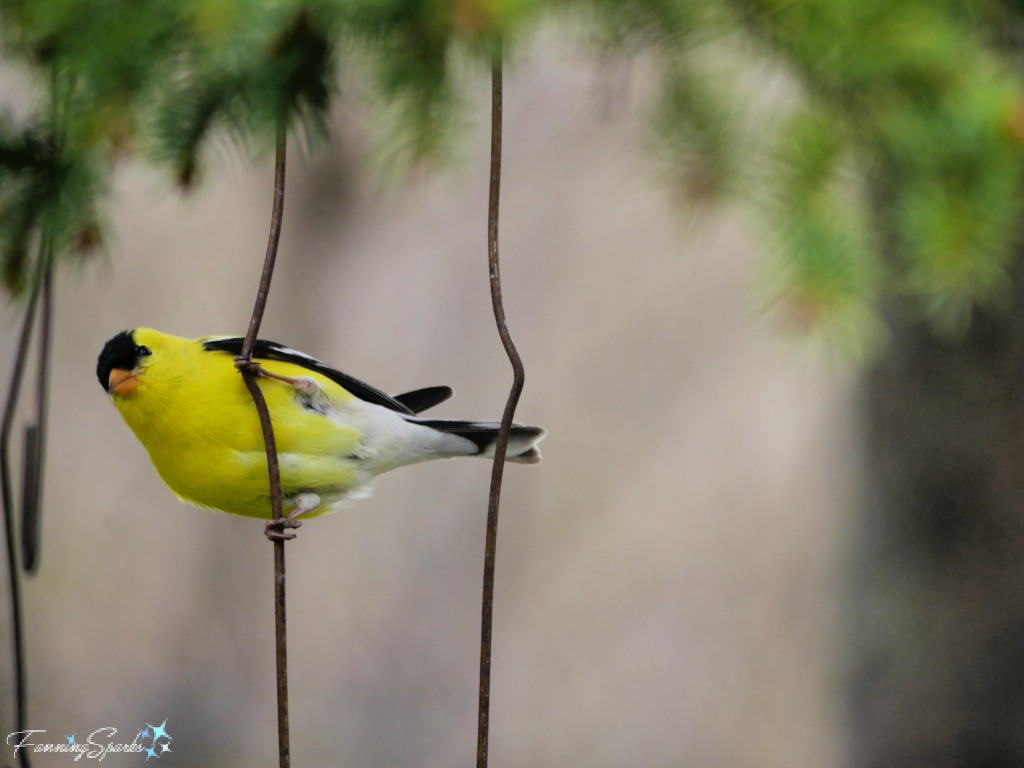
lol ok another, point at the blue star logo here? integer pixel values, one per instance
(71, 739)
(159, 732)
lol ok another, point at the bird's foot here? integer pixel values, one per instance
(248, 365)
(303, 384)
(277, 529)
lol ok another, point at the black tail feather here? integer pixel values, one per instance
(484, 435)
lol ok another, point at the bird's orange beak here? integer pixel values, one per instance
(122, 382)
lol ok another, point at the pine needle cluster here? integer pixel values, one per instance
(896, 168)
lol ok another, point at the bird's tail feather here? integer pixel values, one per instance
(483, 435)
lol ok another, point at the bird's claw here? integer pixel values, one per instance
(276, 529)
(248, 365)
(302, 384)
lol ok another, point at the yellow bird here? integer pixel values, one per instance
(188, 405)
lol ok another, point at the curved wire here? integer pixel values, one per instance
(519, 375)
(13, 575)
(273, 467)
(35, 436)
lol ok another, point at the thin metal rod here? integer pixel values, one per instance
(32, 508)
(14, 577)
(273, 468)
(35, 442)
(498, 468)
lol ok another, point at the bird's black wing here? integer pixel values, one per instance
(422, 399)
(269, 350)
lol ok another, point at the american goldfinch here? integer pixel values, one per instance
(187, 403)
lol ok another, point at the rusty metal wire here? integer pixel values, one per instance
(42, 277)
(35, 437)
(249, 374)
(34, 449)
(497, 470)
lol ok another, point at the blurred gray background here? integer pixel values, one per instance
(669, 580)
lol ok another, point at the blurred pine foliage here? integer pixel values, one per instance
(908, 120)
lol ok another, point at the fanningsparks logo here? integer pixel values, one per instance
(153, 740)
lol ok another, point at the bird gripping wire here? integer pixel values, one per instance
(244, 363)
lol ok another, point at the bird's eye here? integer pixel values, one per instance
(145, 351)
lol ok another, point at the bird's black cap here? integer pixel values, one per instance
(120, 352)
